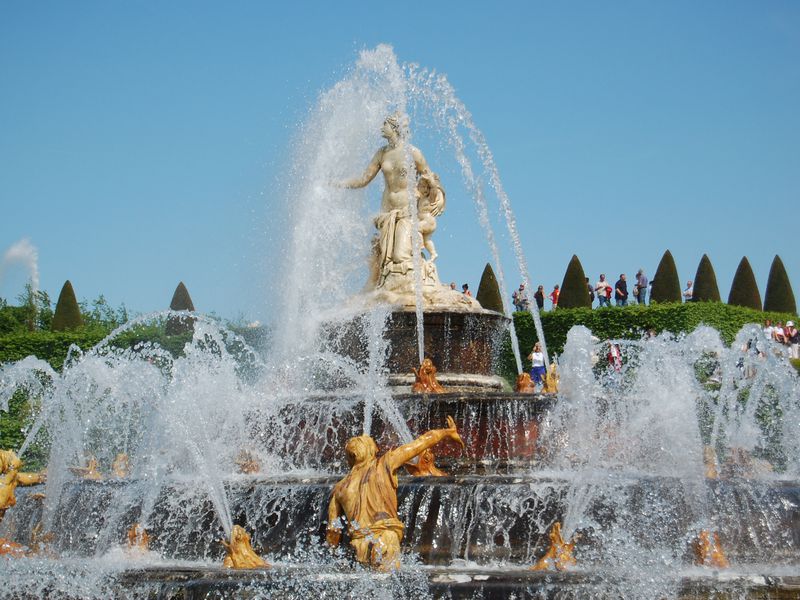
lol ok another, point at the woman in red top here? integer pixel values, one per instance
(554, 297)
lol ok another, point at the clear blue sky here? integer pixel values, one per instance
(140, 142)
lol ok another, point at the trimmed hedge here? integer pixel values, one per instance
(666, 286)
(744, 289)
(779, 295)
(574, 291)
(631, 322)
(705, 282)
(68, 313)
(488, 295)
(51, 346)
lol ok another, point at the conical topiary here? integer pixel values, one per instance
(181, 300)
(779, 296)
(574, 291)
(666, 286)
(489, 291)
(744, 289)
(68, 313)
(705, 282)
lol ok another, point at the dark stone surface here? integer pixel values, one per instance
(459, 343)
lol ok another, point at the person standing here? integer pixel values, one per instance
(465, 290)
(642, 282)
(591, 292)
(621, 291)
(688, 292)
(554, 296)
(538, 370)
(520, 299)
(603, 289)
(539, 297)
(793, 339)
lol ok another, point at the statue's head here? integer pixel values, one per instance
(360, 449)
(9, 461)
(395, 125)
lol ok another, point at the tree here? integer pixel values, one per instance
(181, 300)
(574, 292)
(68, 313)
(489, 291)
(779, 296)
(666, 285)
(705, 282)
(744, 289)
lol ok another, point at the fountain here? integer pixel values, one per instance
(674, 475)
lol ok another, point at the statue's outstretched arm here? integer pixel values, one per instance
(30, 478)
(334, 533)
(400, 456)
(369, 174)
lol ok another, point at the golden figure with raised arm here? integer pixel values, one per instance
(367, 496)
(11, 477)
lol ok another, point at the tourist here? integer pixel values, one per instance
(793, 339)
(465, 290)
(538, 370)
(591, 292)
(539, 297)
(603, 289)
(621, 291)
(453, 285)
(768, 329)
(554, 296)
(520, 299)
(777, 333)
(641, 284)
(687, 293)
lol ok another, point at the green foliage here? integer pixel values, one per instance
(489, 291)
(744, 289)
(574, 292)
(779, 295)
(666, 285)
(631, 323)
(101, 314)
(68, 313)
(795, 363)
(705, 282)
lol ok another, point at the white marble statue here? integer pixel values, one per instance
(391, 278)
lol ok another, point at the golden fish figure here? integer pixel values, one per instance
(559, 556)
(240, 554)
(708, 550)
(425, 382)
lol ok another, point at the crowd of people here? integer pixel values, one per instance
(602, 291)
(787, 335)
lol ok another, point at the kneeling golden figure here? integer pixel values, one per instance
(367, 497)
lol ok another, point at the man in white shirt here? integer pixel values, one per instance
(600, 288)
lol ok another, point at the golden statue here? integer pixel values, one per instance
(247, 463)
(90, 471)
(708, 550)
(710, 462)
(11, 477)
(240, 553)
(524, 384)
(367, 496)
(121, 465)
(426, 379)
(41, 541)
(559, 556)
(12, 549)
(551, 380)
(138, 539)
(425, 466)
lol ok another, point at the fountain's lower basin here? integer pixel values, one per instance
(483, 519)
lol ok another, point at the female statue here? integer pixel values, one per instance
(393, 256)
